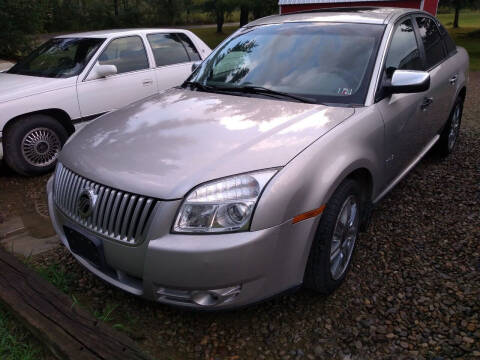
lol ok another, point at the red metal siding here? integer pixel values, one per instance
(429, 5)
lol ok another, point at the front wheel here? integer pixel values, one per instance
(334, 243)
(33, 143)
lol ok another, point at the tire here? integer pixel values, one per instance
(32, 144)
(451, 131)
(319, 274)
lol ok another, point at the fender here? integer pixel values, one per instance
(355, 144)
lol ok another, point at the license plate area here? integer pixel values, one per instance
(90, 249)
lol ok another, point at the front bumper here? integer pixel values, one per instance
(200, 271)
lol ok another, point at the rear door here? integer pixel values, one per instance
(402, 113)
(134, 80)
(174, 55)
(443, 77)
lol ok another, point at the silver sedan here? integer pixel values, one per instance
(257, 174)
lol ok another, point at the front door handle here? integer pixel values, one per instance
(147, 82)
(426, 103)
(453, 79)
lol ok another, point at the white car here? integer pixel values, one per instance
(75, 78)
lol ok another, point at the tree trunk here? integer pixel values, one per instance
(457, 16)
(244, 11)
(220, 20)
(115, 5)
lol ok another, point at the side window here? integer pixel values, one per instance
(127, 54)
(432, 41)
(167, 49)
(403, 53)
(192, 51)
(447, 39)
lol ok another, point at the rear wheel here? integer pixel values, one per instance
(334, 243)
(449, 136)
(33, 143)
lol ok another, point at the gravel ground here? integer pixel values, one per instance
(413, 291)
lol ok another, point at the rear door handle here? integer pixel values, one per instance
(426, 103)
(453, 79)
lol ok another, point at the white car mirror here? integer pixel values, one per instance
(102, 71)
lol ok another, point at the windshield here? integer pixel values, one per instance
(329, 62)
(58, 58)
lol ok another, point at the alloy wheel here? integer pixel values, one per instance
(344, 237)
(454, 127)
(41, 146)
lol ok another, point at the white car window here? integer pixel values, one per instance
(127, 54)
(168, 49)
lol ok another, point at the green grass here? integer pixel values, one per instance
(467, 35)
(57, 277)
(210, 35)
(15, 341)
(468, 18)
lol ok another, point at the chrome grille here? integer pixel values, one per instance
(117, 214)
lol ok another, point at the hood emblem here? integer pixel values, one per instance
(86, 202)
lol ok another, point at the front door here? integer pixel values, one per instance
(402, 113)
(134, 80)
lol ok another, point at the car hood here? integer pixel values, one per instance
(165, 145)
(13, 86)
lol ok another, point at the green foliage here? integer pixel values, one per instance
(106, 314)
(458, 6)
(18, 20)
(15, 343)
(467, 36)
(211, 37)
(22, 20)
(57, 277)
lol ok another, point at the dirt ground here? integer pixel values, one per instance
(413, 291)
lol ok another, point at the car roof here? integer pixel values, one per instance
(365, 15)
(118, 32)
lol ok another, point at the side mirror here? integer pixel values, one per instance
(407, 82)
(195, 65)
(102, 71)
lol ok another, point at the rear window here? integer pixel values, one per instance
(432, 41)
(447, 39)
(168, 49)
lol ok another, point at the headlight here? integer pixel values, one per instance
(223, 205)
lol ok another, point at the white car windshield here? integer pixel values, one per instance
(323, 62)
(58, 58)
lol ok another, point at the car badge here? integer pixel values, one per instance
(86, 202)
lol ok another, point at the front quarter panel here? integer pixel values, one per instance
(63, 98)
(308, 181)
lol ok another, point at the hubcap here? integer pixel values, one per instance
(40, 147)
(454, 127)
(344, 236)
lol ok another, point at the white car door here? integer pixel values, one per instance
(174, 54)
(133, 81)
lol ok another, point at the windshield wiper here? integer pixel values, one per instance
(199, 86)
(251, 89)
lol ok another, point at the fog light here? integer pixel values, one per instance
(215, 297)
(205, 298)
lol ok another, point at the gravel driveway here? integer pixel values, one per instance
(413, 290)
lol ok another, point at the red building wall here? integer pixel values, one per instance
(429, 5)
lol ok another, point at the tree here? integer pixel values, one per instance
(459, 5)
(20, 19)
(218, 8)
